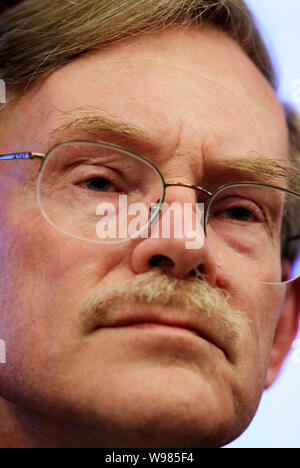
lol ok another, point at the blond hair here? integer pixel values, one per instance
(39, 36)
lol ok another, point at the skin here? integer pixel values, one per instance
(201, 99)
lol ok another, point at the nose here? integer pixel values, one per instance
(174, 254)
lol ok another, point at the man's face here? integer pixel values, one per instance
(201, 99)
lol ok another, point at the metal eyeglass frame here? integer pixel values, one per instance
(210, 195)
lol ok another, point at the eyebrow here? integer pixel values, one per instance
(100, 124)
(257, 168)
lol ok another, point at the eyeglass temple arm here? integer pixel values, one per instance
(26, 155)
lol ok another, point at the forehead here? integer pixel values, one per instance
(194, 91)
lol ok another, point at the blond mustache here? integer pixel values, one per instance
(194, 295)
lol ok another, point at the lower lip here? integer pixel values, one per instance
(168, 334)
(161, 327)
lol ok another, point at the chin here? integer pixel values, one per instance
(162, 408)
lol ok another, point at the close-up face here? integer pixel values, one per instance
(92, 339)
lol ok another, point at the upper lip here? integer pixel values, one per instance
(199, 326)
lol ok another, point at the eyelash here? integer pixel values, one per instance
(256, 212)
(96, 173)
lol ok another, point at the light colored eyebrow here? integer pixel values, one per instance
(84, 123)
(258, 168)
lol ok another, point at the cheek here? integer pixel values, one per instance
(272, 301)
(262, 305)
(46, 275)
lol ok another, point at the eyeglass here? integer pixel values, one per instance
(84, 185)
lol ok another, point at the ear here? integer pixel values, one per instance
(286, 331)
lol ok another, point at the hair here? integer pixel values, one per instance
(39, 36)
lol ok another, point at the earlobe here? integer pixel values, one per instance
(286, 331)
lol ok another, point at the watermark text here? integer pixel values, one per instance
(2, 352)
(163, 221)
(2, 92)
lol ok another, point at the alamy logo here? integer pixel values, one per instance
(2, 92)
(120, 221)
(2, 352)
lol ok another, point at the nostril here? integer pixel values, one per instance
(197, 272)
(161, 261)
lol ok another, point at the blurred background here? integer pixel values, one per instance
(277, 422)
